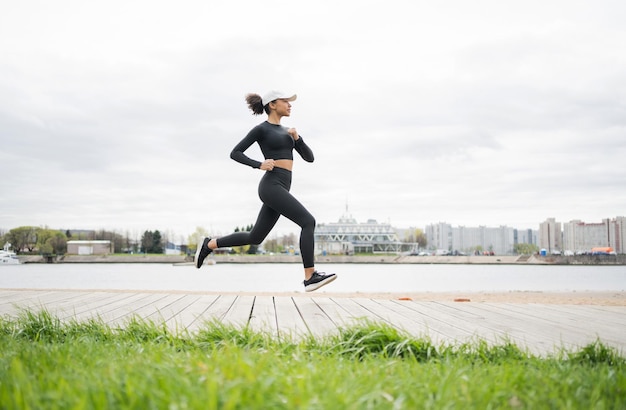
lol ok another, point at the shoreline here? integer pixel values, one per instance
(593, 298)
(598, 260)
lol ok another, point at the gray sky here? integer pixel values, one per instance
(121, 114)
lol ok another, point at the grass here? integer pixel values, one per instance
(50, 364)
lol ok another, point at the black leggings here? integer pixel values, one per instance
(274, 192)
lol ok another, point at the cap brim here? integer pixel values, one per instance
(277, 95)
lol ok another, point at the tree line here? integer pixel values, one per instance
(45, 241)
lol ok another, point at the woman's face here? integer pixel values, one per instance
(282, 107)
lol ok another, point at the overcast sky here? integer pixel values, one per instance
(121, 115)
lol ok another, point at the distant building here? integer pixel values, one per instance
(550, 236)
(439, 236)
(581, 236)
(617, 234)
(347, 236)
(500, 240)
(174, 249)
(89, 247)
(526, 236)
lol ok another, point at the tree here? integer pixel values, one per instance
(51, 242)
(116, 239)
(151, 242)
(195, 239)
(253, 249)
(525, 248)
(415, 235)
(59, 243)
(24, 237)
(289, 240)
(245, 248)
(157, 242)
(271, 245)
(146, 242)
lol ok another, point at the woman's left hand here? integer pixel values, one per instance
(293, 133)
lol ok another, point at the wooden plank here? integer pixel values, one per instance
(52, 297)
(141, 305)
(38, 301)
(373, 311)
(538, 319)
(108, 309)
(240, 311)
(401, 322)
(567, 324)
(263, 316)
(218, 310)
(475, 322)
(614, 309)
(414, 320)
(14, 301)
(597, 314)
(289, 316)
(171, 316)
(357, 313)
(457, 324)
(193, 313)
(150, 311)
(11, 297)
(441, 325)
(537, 336)
(63, 304)
(333, 309)
(173, 307)
(87, 307)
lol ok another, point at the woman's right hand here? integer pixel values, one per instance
(267, 165)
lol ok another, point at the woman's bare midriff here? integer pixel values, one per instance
(284, 163)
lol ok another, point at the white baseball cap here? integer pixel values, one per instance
(270, 96)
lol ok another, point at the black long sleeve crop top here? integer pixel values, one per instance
(275, 143)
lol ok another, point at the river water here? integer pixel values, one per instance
(365, 278)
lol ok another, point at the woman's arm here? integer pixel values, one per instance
(238, 152)
(304, 150)
(301, 148)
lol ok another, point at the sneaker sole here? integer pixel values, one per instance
(195, 258)
(316, 286)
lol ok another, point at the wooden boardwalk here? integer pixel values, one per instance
(542, 329)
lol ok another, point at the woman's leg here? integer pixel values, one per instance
(264, 223)
(290, 207)
(274, 192)
(280, 200)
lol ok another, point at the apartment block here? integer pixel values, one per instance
(500, 240)
(581, 236)
(550, 235)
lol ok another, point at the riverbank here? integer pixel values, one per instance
(368, 259)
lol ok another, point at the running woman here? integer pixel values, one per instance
(277, 144)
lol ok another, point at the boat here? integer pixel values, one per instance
(7, 257)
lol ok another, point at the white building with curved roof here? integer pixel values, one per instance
(347, 236)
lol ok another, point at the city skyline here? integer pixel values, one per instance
(552, 236)
(344, 216)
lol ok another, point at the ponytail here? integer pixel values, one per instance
(255, 104)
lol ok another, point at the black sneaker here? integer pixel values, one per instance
(318, 280)
(202, 252)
